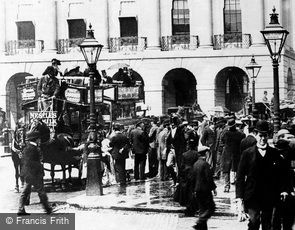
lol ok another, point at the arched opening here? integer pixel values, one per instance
(13, 97)
(179, 88)
(231, 87)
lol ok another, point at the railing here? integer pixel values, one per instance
(127, 44)
(65, 46)
(223, 41)
(179, 42)
(15, 47)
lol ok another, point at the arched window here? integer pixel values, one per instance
(232, 20)
(180, 18)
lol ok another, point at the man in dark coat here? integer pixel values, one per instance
(140, 144)
(191, 134)
(186, 183)
(209, 139)
(248, 141)
(120, 149)
(231, 153)
(203, 187)
(261, 180)
(219, 145)
(32, 171)
(48, 86)
(176, 139)
(152, 154)
(285, 212)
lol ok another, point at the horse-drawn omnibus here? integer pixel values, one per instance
(67, 116)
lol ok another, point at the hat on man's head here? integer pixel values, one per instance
(33, 135)
(282, 144)
(139, 123)
(184, 123)
(175, 120)
(282, 132)
(262, 126)
(166, 122)
(231, 122)
(117, 126)
(55, 61)
(202, 149)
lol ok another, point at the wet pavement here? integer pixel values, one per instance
(151, 195)
(145, 205)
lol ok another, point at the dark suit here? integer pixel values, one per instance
(203, 186)
(117, 142)
(259, 183)
(32, 171)
(186, 180)
(231, 154)
(209, 139)
(179, 143)
(247, 142)
(140, 145)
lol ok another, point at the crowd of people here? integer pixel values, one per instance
(196, 154)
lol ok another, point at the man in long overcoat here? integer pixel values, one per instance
(120, 149)
(209, 139)
(176, 139)
(261, 180)
(162, 151)
(231, 153)
(203, 186)
(32, 171)
(140, 144)
(186, 178)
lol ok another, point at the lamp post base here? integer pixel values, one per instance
(94, 184)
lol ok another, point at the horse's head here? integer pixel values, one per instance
(42, 128)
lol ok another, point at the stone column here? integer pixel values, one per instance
(100, 21)
(165, 17)
(114, 25)
(253, 20)
(2, 27)
(201, 21)
(48, 25)
(61, 18)
(148, 23)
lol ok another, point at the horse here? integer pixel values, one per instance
(18, 143)
(57, 150)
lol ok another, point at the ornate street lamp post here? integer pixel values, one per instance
(275, 36)
(253, 70)
(91, 50)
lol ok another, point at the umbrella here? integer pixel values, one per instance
(118, 66)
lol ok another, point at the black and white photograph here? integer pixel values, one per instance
(147, 114)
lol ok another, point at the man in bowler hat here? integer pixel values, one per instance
(261, 180)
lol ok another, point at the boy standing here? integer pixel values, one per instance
(203, 187)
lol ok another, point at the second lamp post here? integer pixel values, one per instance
(253, 70)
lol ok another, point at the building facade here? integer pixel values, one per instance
(186, 51)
